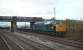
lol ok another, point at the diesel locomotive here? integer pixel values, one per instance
(53, 28)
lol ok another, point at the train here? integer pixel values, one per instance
(59, 29)
(52, 28)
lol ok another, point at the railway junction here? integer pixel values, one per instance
(19, 40)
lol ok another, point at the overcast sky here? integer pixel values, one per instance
(72, 9)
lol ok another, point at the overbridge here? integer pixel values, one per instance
(14, 19)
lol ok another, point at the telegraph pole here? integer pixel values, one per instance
(54, 10)
(55, 13)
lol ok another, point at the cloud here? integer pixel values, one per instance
(69, 8)
(44, 8)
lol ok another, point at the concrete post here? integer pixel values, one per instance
(13, 25)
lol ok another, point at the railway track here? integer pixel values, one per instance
(46, 41)
(3, 44)
(23, 43)
(62, 41)
(67, 42)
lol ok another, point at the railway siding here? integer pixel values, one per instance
(3, 44)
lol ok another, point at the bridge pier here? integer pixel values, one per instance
(13, 25)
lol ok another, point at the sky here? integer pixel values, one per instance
(65, 9)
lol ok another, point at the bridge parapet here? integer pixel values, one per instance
(20, 19)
